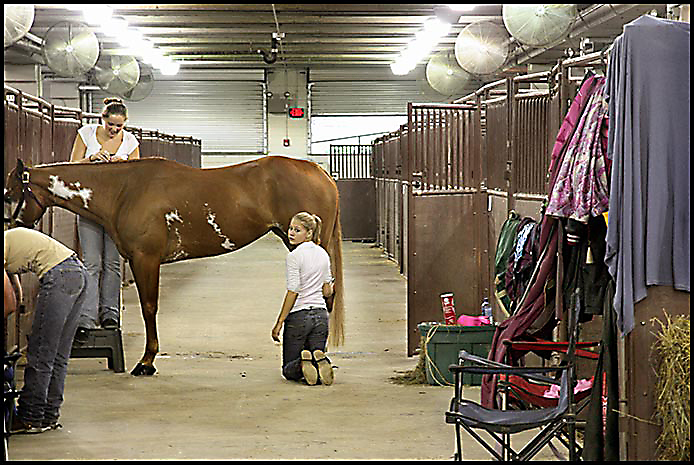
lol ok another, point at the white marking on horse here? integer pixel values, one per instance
(227, 244)
(59, 188)
(179, 252)
(172, 216)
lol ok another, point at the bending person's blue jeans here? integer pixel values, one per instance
(303, 330)
(102, 260)
(58, 306)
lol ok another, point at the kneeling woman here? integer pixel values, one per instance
(304, 311)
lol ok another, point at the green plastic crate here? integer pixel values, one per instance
(442, 344)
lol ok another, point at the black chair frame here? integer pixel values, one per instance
(554, 422)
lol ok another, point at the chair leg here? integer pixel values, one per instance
(459, 444)
(489, 448)
(572, 438)
(541, 440)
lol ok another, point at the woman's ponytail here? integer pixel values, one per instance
(317, 230)
(311, 223)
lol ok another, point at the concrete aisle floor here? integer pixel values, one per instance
(219, 393)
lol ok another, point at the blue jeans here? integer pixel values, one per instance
(102, 259)
(58, 305)
(303, 330)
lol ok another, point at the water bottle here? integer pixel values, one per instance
(487, 310)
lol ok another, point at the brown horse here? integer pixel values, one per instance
(159, 211)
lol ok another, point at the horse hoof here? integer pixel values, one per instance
(146, 370)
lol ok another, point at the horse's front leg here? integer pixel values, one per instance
(146, 272)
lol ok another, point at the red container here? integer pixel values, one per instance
(448, 305)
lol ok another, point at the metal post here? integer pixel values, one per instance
(511, 181)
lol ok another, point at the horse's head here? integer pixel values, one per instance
(22, 207)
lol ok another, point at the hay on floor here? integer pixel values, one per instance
(673, 350)
(418, 374)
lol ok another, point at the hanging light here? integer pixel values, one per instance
(96, 14)
(115, 27)
(424, 42)
(153, 57)
(462, 7)
(132, 39)
(170, 68)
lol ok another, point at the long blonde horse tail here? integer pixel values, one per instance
(337, 315)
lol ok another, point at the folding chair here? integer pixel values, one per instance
(526, 394)
(558, 421)
(518, 392)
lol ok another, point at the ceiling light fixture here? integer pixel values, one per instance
(133, 40)
(462, 7)
(97, 14)
(424, 42)
(114, 27)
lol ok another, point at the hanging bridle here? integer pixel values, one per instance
(26, 190)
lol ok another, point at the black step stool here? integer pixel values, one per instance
(103, 343)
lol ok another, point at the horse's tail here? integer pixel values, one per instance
(337, 315)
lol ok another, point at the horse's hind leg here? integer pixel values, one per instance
(146, 272)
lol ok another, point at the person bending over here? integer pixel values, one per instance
(61, 296)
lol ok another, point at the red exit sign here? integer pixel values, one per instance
(296, 112)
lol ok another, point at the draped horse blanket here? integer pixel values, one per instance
(648, 91)
(581, 188)
(532, 305)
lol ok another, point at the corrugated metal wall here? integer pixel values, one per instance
(223, 109)
(345, 91)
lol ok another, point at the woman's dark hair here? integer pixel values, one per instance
(114, 106)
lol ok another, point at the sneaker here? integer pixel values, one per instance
(81, 337)
(52, 425)
(307, 368)
(325, 369)
(21, 427)
(109, 323)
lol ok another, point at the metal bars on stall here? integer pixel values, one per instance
(440, 136)
(351, 162)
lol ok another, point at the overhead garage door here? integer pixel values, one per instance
(346, 91)
(223, 109)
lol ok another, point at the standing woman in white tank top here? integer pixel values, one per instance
(96, 143)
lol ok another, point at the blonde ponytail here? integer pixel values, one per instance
(312, 223)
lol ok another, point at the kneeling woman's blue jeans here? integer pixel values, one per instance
(303, 330)
(58, 305)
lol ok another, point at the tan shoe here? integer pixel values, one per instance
(325, 369)
(20, 427)
(307, 368)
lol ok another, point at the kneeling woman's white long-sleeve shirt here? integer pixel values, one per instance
(308, 267)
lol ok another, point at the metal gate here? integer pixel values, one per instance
(445, 224)
(391, 195)
(352, 168)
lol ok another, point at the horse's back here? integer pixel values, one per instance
(303, 181)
